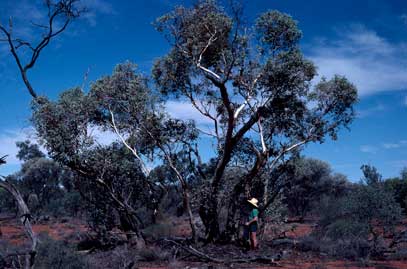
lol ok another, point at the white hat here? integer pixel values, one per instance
(253, 201)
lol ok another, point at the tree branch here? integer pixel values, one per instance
(63, 8)
(144, 167)
(25, 218)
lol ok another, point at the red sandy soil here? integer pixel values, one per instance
(284, 265)
(298, 230)
(12, 231)
(13, 234)
(293, 230)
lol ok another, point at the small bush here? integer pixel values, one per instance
(122, 257)
(148, 255)
(58, 255)
(354, 225)
(310, 243)
(159, 230)
(318, 266)
(400, 255)
(349, 249)
(153, 254)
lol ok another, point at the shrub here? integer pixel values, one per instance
(355, 224)
(310, 243)
(158, 230)
(58, 255)
(153, 254)
(348, 248)
(400, 254)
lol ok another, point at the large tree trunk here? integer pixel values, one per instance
(209, 205)
(240, 193)
(25, 218)
(130, 225)
(233, 217)
(208, 212)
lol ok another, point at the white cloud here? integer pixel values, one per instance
(370, 61)
(363, 113)
(25, 12)
(21, 15)
(186, 111)
(8, 141)
(399, 164)
(384, 146)
(403, 18)
(102, 137)
(94, 8)
(368, 149)
(395, 145)
(391, 145)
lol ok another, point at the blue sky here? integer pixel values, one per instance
(365, 42)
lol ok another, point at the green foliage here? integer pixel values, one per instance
(58, 255)
(43, 183)
(240, 78)
(398, 186)
(206, 20)
(28, 151)
(159, 230)
(153, 254)
(216, 64)
(307, 181)
(277, 31)
(7, 203)
(371, 176)
(366, 212)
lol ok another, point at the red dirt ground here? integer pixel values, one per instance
(14, 235)
(13, 232)
(285, 265)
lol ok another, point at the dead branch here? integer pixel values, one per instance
(64, 10)
(25, 218)
(271, 261)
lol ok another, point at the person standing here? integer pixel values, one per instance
(252, 224)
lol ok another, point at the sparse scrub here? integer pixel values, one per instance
(156, 231)
(355, 224)
(153, 254)
(58, 255)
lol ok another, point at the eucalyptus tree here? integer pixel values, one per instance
(254, 84)
(40, 179)
(121, 104)
(125, 105)
(105, 175)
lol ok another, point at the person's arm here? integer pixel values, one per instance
(253, 220)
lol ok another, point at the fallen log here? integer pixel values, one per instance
(283, 242)
(206, 258)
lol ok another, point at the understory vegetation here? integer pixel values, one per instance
(166, 189)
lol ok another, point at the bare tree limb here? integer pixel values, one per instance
(25, 218)
(64, 9)
(144, 167)
(271, 261)
(198, 64)
(263, 144)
